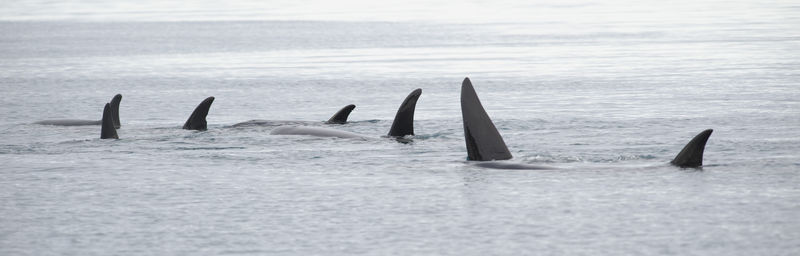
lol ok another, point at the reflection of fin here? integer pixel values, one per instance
(484, 143)
(197, 121)
(115, 109)
(341, 116)
(404, 119)
(692, 153)
(107, 131)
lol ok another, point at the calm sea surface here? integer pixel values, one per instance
(607, 92)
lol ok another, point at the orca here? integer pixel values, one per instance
(339, 118)
(691, 156)
(197, 121)
(78, 122)
(108, 129)
(403, 124)
(484, 143)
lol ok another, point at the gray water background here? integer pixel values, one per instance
(608, 92)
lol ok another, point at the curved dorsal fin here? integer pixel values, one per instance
(341, 116)
(197, 121)
(107, 131)
(692, 153)
(403, 123)
(115, 109)
(484, 142)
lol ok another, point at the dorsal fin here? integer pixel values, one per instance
(197, 121)
(403, 123)
(107, 131)
(692, 153)
(341, 116)
(115, 109)
(484, 142)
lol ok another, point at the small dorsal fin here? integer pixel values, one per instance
(197, 121)
(692, 153)
(403, 123)
(115, 109)
(484, 142)
(341, 116)
(107, 131)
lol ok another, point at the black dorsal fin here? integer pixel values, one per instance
(115, 109)
(341, 116)
(484, 142)
(107, 131)
(197, 121)
(692, 153)
(403, 123)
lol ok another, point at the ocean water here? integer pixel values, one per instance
(606, 92)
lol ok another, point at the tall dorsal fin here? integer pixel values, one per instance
(115, 109)
(107, 131)
(403, 123)
(197, 121)
(692, 153)
(341, 116)
(484, 142)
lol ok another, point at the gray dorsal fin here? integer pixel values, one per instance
(692, 153)
(107, 131)
(197, 121)
(403, 123)
(484, 142)
(341, 116)
(115, 109)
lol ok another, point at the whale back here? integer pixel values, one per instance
(403, 123)
(115, 109)
(197, 121)
(484, 142)
(107, 130)
(70, 122)
(341, 116)
(692, 154)
(313, 131)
